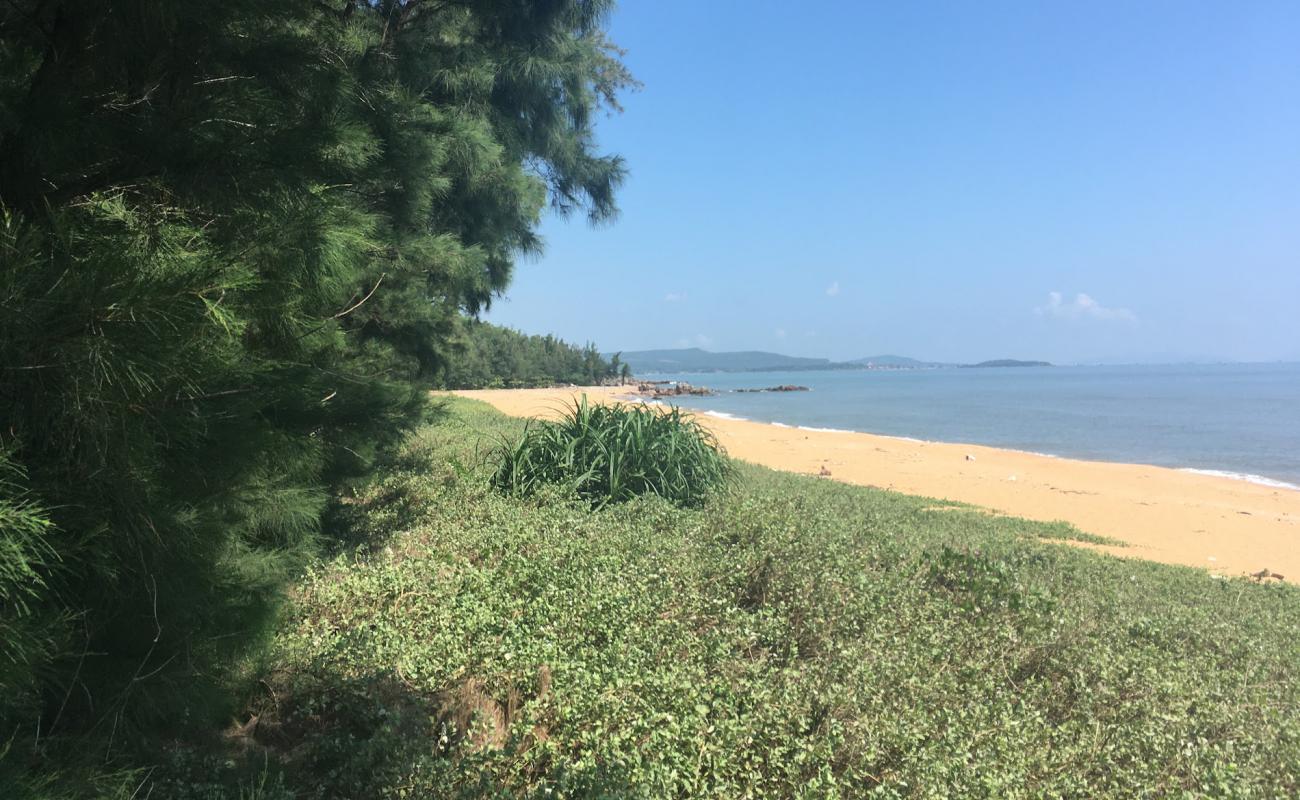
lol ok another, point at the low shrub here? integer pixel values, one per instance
(609, 454)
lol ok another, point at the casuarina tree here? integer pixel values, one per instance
(235, 237)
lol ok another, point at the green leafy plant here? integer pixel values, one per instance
(982, 583)
(609, 454)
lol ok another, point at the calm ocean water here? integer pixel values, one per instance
(1242, 419)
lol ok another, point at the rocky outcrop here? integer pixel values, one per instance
(659, 389)
(785, 387)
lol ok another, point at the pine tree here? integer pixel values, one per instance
(483, 355)
(236, 239)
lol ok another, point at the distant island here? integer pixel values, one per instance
(1009, 362)
(893, 362)
(694, 359)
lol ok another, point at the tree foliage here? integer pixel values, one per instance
(235, 238)
(490, 356)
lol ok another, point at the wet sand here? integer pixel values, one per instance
(1227, 526)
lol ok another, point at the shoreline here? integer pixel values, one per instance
(1207, 520)
(1248, 477)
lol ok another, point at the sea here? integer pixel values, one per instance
(1235, 420)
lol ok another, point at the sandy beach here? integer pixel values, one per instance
(1224, 525)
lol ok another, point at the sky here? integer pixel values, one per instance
(1075, 182)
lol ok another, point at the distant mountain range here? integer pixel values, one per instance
(1008, 362)
(693, 359)
(894, 362)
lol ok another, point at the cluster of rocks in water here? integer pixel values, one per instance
(785, 387)
(658, 389)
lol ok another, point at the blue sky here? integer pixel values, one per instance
(955, 181)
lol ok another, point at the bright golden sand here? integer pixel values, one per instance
(1224, 525)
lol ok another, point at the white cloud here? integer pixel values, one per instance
(780, 333)
(702, 340)
(1082, 307)
(833, 289)
(674, 297)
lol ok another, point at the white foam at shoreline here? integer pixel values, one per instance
(1242, 476)
(1248, 477)
(824, 430)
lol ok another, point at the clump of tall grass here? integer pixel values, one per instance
(609, 454)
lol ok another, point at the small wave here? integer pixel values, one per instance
(901, 438)
(1243, 476)
(1027, 452)
(724, 415)
(823, 430)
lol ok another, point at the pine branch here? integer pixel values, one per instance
(342, 314)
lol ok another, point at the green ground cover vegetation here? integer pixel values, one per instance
(791, 637)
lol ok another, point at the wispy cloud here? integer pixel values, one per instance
(702, 340)
(780, 333)
(1083, 306)
(674, 297)
(833, 289)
